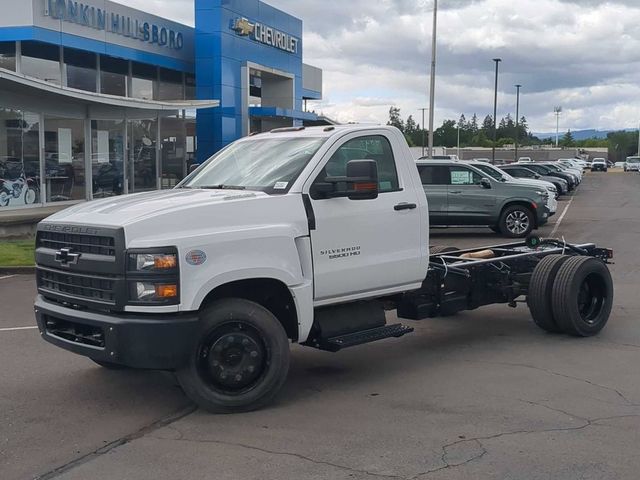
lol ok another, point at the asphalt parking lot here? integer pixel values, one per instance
(484, 394)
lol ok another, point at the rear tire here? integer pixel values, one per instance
(239, 360)
(582, 296)
(516, 221)
(541, 290)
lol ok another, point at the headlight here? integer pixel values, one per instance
(155, 292)
(552, 189)
(153, 276)
(149, 262)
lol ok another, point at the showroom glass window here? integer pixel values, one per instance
(64, 159)
(8, 55)
(41, 60)
(190, 86)
(144, 81)
(143, 136)
(171, 86)
(113, 76)
(174, 160)
(81, 69)
(107, 157)
(19, 159)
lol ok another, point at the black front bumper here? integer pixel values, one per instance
(139, 341)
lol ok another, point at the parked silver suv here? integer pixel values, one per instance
(462, 195)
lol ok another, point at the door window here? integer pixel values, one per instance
(461, 176)
(434, 175)
(374, 147)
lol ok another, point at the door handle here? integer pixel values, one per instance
(457, 192)
(405, 206)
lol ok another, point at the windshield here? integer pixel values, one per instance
(267, 165)
(491, 171)
(633, 160)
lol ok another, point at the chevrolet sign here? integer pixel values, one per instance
(266, 35)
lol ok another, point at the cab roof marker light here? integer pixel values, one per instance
(287, 129)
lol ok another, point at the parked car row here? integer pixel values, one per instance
(477, 193)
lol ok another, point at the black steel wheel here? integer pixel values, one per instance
(582, 296)
(239, 360)
(540, 291)
(516, 221)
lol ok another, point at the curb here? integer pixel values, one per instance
(17, 271)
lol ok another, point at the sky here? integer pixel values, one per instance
(583, 55)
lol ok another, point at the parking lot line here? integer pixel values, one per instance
(566, 209)
(6, 277)
(17, 329)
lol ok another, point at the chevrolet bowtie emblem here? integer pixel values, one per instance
(66, 257)
(243, 27)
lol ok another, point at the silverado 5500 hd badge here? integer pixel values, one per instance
(334, 254)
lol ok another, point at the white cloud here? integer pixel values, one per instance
(581, 55)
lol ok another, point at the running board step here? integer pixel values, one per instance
(336, 344)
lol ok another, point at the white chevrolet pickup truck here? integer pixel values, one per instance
(313, 236)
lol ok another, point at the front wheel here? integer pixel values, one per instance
(239, 360)
(516, 221)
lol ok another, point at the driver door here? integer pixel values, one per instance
(366, 246)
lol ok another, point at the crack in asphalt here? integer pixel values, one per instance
(146, 430)
(182, 438)
(628, 402)
(587, 423)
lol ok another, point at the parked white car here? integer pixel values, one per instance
(632, 164)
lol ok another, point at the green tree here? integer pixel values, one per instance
(394, 119)
(487, 126)
(568, 140)
(473, 125)
(447, 134)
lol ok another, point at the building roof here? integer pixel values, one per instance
(15, 83)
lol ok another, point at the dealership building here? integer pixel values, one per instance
(98, 99)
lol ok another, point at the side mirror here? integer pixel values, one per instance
(537, 176)
(485, 183)
(362, 180)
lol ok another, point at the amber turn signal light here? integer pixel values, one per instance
(166, 291)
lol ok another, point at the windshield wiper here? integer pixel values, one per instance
(222, 187)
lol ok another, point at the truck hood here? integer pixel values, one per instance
(152, 218)
(128, 209)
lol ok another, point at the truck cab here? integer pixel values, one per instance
(294, 220)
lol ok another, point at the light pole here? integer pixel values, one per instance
(495, 113)
(458, 139)
(558, 111)
(424, 130)
(518, 87)
(639, 141)
(432, 98)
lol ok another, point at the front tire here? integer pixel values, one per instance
(516, 221)
(582, 296)
(239, 360)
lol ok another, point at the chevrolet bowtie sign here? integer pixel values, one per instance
(265, 35)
